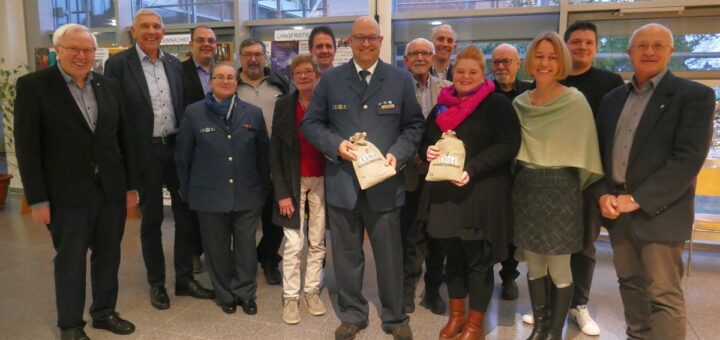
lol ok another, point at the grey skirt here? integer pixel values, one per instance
(547, 211)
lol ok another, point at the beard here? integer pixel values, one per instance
(503, 78)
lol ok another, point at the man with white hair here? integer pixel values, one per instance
(654, 136)
(152, 85)
(419, 56)
(445, 40)
(505, 66)
(79, 174)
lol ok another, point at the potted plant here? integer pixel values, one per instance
(8, 77)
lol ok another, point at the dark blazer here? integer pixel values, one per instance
(222, 171)
(448, 77)
(192, 88)
(387, 110)
(670, 146)
(57, 151)
(126, 69)
(285, 159)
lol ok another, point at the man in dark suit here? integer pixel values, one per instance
(365, 95)
(151, 84)
(505, 66)
(196, 84)
(654, 136)
(196, 70)
(78, 170)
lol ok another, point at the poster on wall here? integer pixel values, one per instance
(224, 52)
(281, 55)
(343, 53)
(101, 56)
(44, 58)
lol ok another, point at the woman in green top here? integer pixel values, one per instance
(558, 157)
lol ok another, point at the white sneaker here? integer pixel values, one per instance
(315, 306)
(582, 317)
(291, 312)
(528, 319)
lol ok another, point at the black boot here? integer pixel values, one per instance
(560, 305)
(539, 300)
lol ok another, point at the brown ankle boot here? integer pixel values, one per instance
(455, 321)
(473, 329)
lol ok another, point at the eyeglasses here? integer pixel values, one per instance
(369, 38)
(250, 55)
(210, 41)
(301, 74)
(75, 51)
(416, 54)
(505, 62)
(221, 78)
(654, 47)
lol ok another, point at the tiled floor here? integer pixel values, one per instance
(27, 309)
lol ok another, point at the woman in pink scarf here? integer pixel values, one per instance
(471, 216)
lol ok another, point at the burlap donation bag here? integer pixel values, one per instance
(451, 162)
(369, 162)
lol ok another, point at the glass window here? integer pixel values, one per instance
(697, 43)
(400, 6)
(189, 11)
(91, 13)
(277, 9)
(479, 31)
(715, 147)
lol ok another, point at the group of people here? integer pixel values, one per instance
(547, 163)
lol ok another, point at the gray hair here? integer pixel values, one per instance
(249, 42)
(147, 11)
(422, 40)
(63, 31)
(437, 29)
(656, 25)
(508, 46)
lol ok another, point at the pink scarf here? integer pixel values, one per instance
(460, 108)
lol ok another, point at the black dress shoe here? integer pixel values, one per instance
(249, 307)
(159, 298)
(73, 334)
(434, 303)
(194, 289)
(509, 290)
(115, 324)
(228, 309)
(272, 275)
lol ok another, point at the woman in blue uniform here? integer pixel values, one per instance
(222, 163)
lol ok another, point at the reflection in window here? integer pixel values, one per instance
(276, 9)
(693, 52)
(91, 13)
(189, 11)
(715, 147)
(459, 5)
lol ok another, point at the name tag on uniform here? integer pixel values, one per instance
(386, 105)
(207, 129)
(340, 107)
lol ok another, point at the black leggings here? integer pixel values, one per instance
(469, 268)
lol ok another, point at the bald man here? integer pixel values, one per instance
(365, 95)
(654, 136)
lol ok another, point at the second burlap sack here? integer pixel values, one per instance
(451, 162)
(369, 162)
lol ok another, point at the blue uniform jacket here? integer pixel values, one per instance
(221, 171)
(387, 110)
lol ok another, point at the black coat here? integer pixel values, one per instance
(192, 89)
(125, 68)
(57, 151)
(285, 159)
(482, 208)
(669, 148)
